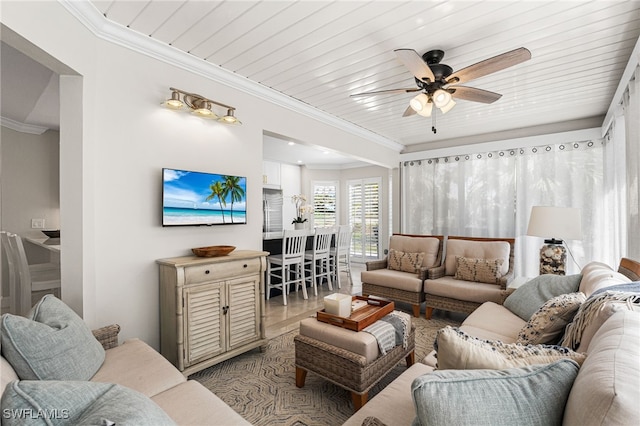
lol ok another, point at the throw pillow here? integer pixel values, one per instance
(530, 296)
(457, 350)
(478, 270)
(527, 396)
(49, 402)
(52, 343)
(594, 312)
(548, 323)
(406, 262)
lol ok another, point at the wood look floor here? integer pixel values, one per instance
(281, 319)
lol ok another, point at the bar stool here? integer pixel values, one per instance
(288, 267)
(318, 260)
(340, 254)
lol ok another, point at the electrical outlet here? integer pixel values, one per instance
(37, 223)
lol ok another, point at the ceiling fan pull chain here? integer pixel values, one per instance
(433, 122)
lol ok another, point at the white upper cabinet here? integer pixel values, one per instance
(270, 174)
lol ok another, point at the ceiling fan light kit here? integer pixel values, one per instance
(441, 98)
(200, 106)
(420, 102)
(439, 84)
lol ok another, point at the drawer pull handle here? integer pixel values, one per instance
(245, 265)
(206, 272)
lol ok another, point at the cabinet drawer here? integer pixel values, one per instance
(221, 270)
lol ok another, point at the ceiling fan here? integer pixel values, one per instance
(439, 84)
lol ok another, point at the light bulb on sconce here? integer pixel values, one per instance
(230, 118)
(173, 103)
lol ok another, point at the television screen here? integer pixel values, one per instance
(196, 198)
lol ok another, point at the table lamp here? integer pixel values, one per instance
(559, 223)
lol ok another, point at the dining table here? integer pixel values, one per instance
(51, 244)
(46, 247)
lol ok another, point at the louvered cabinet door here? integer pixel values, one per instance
(204, 325)
(244, 310)
(211, 309)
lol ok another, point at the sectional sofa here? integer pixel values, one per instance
(594, 379)
(54, 370)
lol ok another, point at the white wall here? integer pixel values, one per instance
(30, 180)
(126, 139)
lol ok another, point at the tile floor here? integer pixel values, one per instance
(281, 319)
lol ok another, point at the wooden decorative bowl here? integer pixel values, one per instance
(213, 251)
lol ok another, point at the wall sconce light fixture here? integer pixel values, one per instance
(200, 106)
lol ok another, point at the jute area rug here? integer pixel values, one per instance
(261, 385)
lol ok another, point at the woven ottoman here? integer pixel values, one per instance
(350, 359)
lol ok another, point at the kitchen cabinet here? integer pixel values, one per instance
(271, 177)
(211, 309)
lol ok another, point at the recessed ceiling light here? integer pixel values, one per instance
(291, 143)
(299, 161)
(325, 152)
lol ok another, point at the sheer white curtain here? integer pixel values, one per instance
(564, 175)
(491, 195)
(614, 202)
(631, 104)
(457, 196)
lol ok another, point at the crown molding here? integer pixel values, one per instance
(22, 127)
(115, 33)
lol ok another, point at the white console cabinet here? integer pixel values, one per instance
(211, 309)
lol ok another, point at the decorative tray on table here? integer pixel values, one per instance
(365, 311)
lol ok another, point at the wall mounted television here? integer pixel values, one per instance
(192, 198)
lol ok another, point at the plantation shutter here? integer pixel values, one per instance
(364, 218)
(324, 204)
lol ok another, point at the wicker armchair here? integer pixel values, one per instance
(443, 291)
(379, 280)
(107, 336)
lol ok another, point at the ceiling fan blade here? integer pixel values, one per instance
(409, 111)
(413, 61)
(386, 92)
(475, 95)
(489, 66)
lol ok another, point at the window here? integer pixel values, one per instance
(324, 204)
(364, 218)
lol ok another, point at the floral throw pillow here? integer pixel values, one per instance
(406, 262)
(478, 270)
(548, 323)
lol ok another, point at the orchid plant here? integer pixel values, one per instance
(302, 208)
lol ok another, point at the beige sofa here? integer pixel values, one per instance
(461, 286)
(135, 365)
(400, 275)
(605, 390)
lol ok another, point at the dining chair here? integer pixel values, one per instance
(318, 259)
(25, 279)
(340, 254)
(288, 267)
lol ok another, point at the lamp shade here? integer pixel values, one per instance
(419, 102)
(563, 223)
(445, 109)
(441, 98)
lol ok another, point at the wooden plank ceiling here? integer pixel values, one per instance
(320, 52)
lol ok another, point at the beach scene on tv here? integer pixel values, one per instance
(195, 198)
